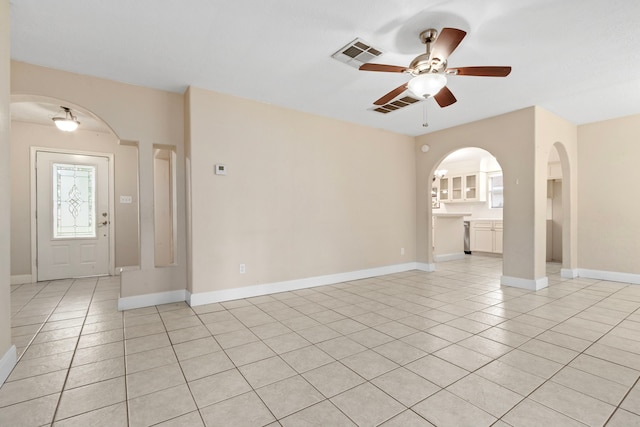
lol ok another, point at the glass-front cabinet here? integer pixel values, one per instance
(444, 189)
(456, 188)
(470, 187)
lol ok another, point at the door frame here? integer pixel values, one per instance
(34, 224)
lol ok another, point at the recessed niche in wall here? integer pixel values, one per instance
(164, 205)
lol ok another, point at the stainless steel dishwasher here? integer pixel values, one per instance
(467, 238)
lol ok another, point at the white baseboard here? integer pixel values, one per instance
(147, 300)
(202, 298)
(423, 266)
(530, 284)
(119, 270)
(19, 279)
(7, 363)
(612, 276)
(448, 257)
(569, 273)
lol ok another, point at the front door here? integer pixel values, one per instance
(72, 215)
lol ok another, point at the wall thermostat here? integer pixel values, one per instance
(221, 170)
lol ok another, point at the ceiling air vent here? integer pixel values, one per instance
(396, 105)
(356, 53)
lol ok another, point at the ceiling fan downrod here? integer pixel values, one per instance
(427, 37)
(425, 124)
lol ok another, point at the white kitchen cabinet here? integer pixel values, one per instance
(444, 189)
(457, 192)
(470, 187)
(497, 238)
(475, 187)
(486, 236)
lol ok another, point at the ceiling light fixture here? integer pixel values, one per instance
(427, 85)
(68, 123)
(439, 174)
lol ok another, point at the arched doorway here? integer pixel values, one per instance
(554, 208)
(33, 131)
(564, 234)
(467, 199)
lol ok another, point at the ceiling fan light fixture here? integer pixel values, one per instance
(440, 173)
(427, 85)
(68, 123)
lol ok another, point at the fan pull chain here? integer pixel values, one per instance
(425, 124)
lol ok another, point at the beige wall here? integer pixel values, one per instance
(520, 141)
(556, 229)
(27, 135)
(304, 196)
(555, 133)
(307, 196)
(608, 196)
(5, 189)
(147, 116)
(187, 168)
(127, 215)
(510, 139)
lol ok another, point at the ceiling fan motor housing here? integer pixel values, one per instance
(424, 63)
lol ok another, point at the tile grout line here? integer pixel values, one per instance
(621, 401)
(254, 390)
(367, 381)
(574, 358)
(530, 338)
(297, 373)
(374, 293)
(66, 378)
(328, 399)
(186, 382)
(43, 323)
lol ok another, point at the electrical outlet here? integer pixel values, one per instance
(401, 251)
(243, 269)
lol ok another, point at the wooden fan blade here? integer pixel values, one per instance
(480, 71)
(383, 67)
(444, 98)
(447, 41)
(388, 97)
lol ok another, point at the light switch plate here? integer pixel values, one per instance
(126, 199)
(221, 170)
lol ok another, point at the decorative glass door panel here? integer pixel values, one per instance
(72, 222)
(74, 207)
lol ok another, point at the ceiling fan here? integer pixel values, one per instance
(429, 70)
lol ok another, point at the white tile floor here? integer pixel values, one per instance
(450, 348)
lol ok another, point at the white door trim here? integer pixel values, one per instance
(34, 224)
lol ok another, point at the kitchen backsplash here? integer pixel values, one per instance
(478, 210)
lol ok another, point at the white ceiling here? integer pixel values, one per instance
(576, 58)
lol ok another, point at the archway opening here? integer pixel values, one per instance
(33, 129)
(467, 200)
(555, 211)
